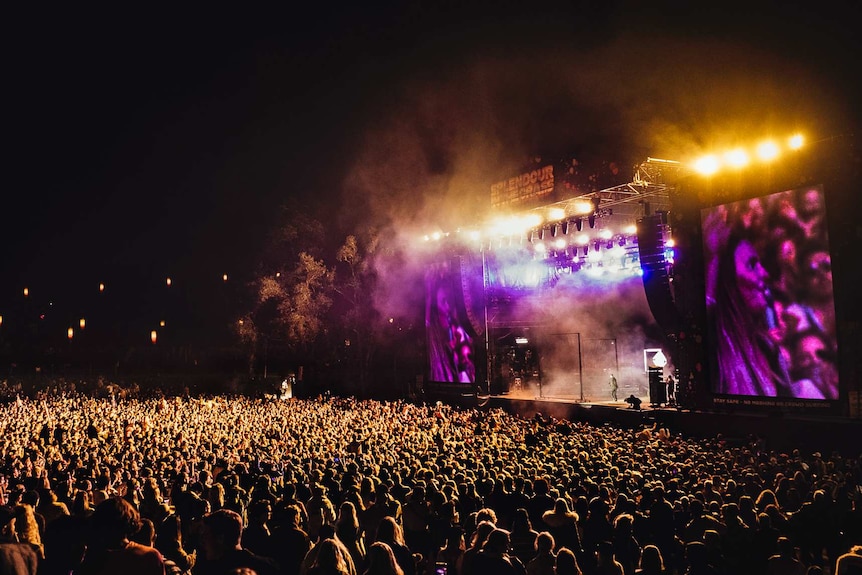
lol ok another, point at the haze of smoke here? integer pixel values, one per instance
(611, 320)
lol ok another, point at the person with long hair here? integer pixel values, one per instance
(523, 536)
(27, 528)
(748, 358)
(449, 344)
(389, 532)
(348, 532)
(477, 540)
(329, 560)
(562, 523)
(381, 560)
(626, 548)
(567, 563)
(651, 562)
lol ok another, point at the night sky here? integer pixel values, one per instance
(150, 143)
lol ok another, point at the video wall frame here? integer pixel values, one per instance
(769, 299)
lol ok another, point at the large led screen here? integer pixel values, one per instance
(450, 337)
(769, 297)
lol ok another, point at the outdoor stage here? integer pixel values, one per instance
(781, 431)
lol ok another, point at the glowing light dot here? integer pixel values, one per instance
(583, 207)
(154, 336)
(101, 287)
(736, 158)
(162, 323)
(533, 220)
(767, 151)
(82, 322)
(70, 333)
(224, 277)
(796, 141)
(168, 282)
(1, 320)
(560, 244)
(707, 165)
(26, 292)
(670, 243)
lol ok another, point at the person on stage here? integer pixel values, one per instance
(614, 387)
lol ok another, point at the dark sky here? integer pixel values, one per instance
(145, 143)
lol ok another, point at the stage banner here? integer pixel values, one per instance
(523, 190)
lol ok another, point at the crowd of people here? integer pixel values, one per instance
(341, 486)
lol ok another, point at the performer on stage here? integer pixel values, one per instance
(614, 387)
(634, 402)
(671, 389)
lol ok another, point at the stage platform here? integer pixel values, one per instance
(781, 431)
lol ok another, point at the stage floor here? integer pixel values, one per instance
(781, 431)
(532, 395)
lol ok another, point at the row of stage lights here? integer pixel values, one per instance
(555, 238)
(532, 225)
(740, 157)
(82, 323)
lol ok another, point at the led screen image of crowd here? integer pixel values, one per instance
(769, 297)
(449, 336)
